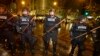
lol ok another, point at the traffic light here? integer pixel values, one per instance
(86, 13)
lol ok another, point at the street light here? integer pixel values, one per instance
(23, 2)
(55, 3)
(81, 1)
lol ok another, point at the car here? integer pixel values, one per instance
(40, 18)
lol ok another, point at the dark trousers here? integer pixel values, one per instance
(47, 38)
(9, 35)
(80, 47)
(46, 44)
(96, 51)
(1, 36)
(30, 39)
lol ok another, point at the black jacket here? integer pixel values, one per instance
(50, 22)
(25, 23)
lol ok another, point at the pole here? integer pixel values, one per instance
(5, 22)
(87, 32)
(26, 26)
(53, 27)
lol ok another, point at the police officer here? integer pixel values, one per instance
(79, 27)
(26, 24)
(6, 29)
(50, 21)
(2, 9)
(96, 44)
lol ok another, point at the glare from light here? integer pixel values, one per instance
(43, 4)
(14, 15)
(89, 17)
(51, 42)
(23, 2)
(55, 3)
(81, 1)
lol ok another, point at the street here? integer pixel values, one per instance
(20, 19)
(63, 46)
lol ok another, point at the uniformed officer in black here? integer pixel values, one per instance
(50, 21)
(25, 24)
(6, 29)
(79, 27)
(96, 44)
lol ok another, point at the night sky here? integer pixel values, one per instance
(64, 2)
(6, 2)
(97, 1)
